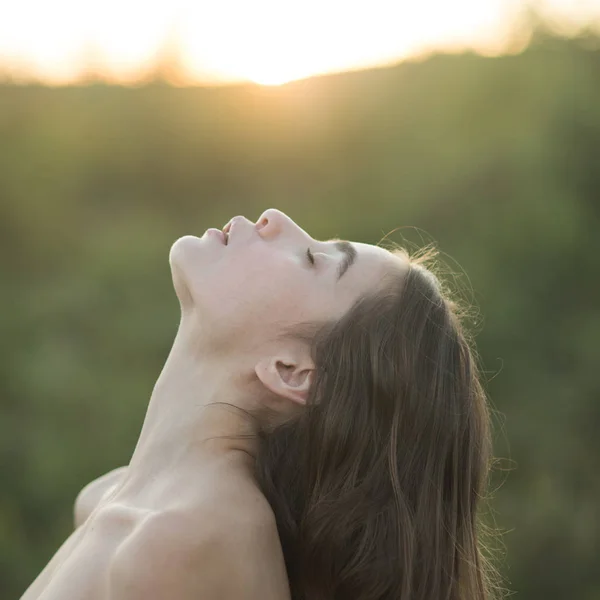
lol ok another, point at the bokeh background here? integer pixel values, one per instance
(484, 138)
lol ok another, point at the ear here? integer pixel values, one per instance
(286, 377)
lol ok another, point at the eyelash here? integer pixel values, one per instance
(311, 258)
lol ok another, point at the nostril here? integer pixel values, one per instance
(262, 223)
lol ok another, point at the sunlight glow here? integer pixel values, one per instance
(266, 41)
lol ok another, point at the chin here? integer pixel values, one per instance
(183, 247)
(184, 254)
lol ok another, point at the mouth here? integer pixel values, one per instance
(227, 231)
(212, 231)
(238, 222)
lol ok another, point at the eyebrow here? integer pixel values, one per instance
(349, 256)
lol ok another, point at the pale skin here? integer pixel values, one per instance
(186, 519)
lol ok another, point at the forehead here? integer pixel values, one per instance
(372, 256)
(371, 263)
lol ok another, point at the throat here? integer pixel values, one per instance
(199, 414)
(208, 434)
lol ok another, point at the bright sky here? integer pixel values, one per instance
(266, 41)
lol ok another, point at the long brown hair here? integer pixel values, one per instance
(376, 485)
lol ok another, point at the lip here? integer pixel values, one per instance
(229, 225)
(228, 229)
(217, 233)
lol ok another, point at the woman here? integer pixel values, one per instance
(318, 432)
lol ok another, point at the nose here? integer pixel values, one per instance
(272, 222)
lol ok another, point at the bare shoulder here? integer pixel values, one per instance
(229, 548)
(91, 494)
(246, 559)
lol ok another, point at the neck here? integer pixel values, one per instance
(195, 405)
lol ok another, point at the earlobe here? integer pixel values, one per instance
(285, 378)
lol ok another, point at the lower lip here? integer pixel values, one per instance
(217, 233)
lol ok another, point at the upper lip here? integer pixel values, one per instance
(228, 229)
(226, 233)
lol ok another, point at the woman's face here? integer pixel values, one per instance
(245, 292)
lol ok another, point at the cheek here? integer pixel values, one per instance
(251, 292)
(258, 292)
(255, 294)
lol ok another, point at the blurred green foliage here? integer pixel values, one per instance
(496, 159)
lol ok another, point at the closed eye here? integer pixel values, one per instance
(311, 258)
